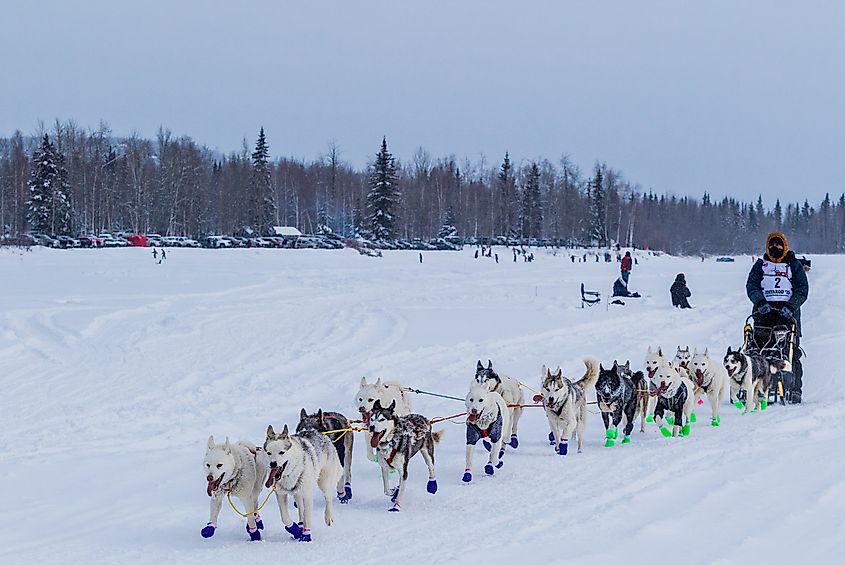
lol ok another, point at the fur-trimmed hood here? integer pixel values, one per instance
(788, 255)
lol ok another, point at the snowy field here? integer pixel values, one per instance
(115, 370)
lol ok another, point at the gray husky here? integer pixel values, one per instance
(238, 470)
(752, 373)
(300, 463)
(396, 440)
(566, 405)
(328, 423)
(619, 392)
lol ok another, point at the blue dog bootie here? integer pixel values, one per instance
(551, 438)
(394, 508)
(431, 487)
(295, 530)
(208, 530)
(514, 441)
(467, 478)
(394, 493)
(259, 523)
(563, 447)
(487, 445)
(254, 534)
(345, 496)
(306, 535)
(488, 469)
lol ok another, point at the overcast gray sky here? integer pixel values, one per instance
(736, 97)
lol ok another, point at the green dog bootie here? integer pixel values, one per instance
(626, 439)
(764, 404)
(665, 431)
(609, 442)
(716, 421)
(649, 418)
(670, 420)
(739, 405)
(692, 418)
(685, 430)
(612, 433)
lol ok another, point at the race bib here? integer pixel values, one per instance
(777, 282)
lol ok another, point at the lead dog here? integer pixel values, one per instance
(367, 396)
(711, 379)
(300, 463)
(338, 429)
(396, 440)
(752, 373)
(487, 417)
(618, 394)
(238, 470)
(565, 403)
(509, 389)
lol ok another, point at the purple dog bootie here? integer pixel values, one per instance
(208, 530)
(563, 447)
(254, 534)
(431, 487)
(295, 530)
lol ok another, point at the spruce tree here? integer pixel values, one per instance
(383, 197)
(49, 209)
(261, 188)
(448, 228)
(532, 208)
(598, 228)
(506, 197)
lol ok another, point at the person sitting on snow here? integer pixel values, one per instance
(620, 288)
(680, 292)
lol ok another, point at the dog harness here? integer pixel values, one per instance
(493, 432)
(777, 282)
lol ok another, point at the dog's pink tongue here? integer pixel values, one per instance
(210, 488)
(271, 478)
(472, 417)
(374, 441)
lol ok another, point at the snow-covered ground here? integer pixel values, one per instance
(115, 370)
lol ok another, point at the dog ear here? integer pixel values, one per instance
(377, 405)
(363, 381)
(320, 415)
(649, 350)
(660, 352)
(489, 364)
(285, 433)
(303, 414)
(226, 447)
(392, 406)
(615, 364)
(729, 350)
(706, 351)
(378, 381)
(600, 367)
(559, 373)
(479, 366)
(628, 364)
(270, 433)
(210, 443)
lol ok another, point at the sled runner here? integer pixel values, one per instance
(778, 345)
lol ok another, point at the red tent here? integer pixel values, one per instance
(137, 240)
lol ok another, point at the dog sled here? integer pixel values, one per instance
(777, 344)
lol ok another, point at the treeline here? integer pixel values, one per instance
(174, 186)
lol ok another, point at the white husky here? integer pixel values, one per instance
(710, 378)
(488, 418)
(653, 361)
(385, 393)
(300, 463)
(675, 394)
(237, 470)
(509, 389)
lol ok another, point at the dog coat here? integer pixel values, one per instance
(493, 433)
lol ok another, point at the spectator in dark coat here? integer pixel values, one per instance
(680, 292)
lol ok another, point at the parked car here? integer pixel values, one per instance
(170, 241)
(216, 242)
(110, 240)
(725, 260)
(66, 242)
(90, 241)
(188, 242)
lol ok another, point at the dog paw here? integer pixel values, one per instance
(609, 442)
(563, 448)
(431, 487)
(394, 508)
(208, 530)
(665, 431)
(394, 493)
(670, 420)
(306, 535)
(500, 463)
(341, 497)
(347, 488)
(514, 441)
(254, 534)
(626, 439)
(551, 438)
(489, 469)
(764, 404)
(739, 405)
(259, 523)
(486, 445)
(716, 421)
(295, 530)
(693, 418)
(685, 431)
(649, 418)
(501, 453)
(467, 478)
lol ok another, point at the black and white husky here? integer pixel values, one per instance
(396, 440)
(752, 373)
(487, 419)
(300, 463)
(327, 423)
(675, 394)
(509, 389)
(565, 403)
(618, 394)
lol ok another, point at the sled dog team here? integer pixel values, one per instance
(318, 454)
